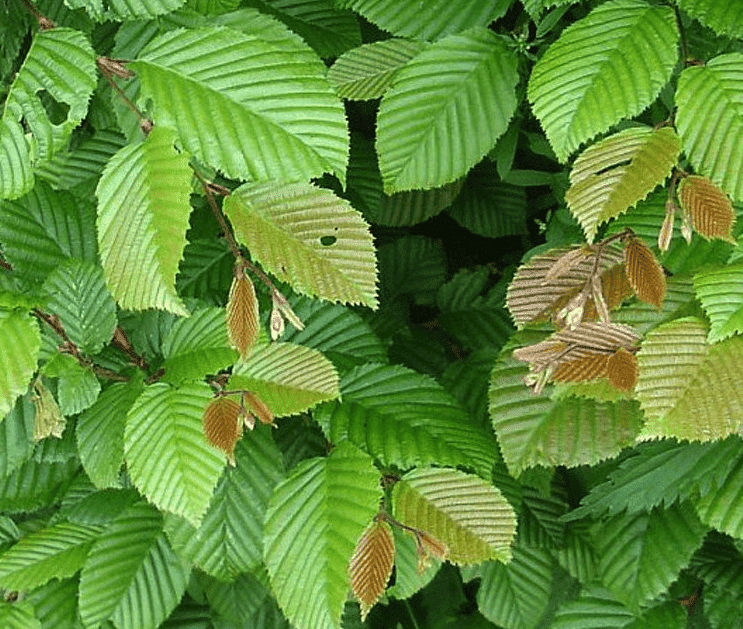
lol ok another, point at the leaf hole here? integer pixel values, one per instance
(56, 111)
(327, 241)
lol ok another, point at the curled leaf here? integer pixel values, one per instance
(566, 262)
(222, 425)
(242, 313)
(621, 368)
(709, 208)
(48, 421)
(666, 229)
(257, 407)
(644, 272)
(371, 565)
(282, 310)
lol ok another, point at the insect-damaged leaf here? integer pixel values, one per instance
(644, 272)
(709, 208)
(370, 566)
(222, 425)
(242, 313)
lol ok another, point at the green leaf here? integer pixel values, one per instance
(725, 18)
(406, 419)
(415, 206)
(246, 135)
(16, 436)
(79, 297)
(308, 237)
(18, 616)
(722, 508)
(237, 601)
(60, 64)
(537, 430)
(123, 10)
(613, 175)
(686, 388)
(100, 432)
(368, 71)
(206, 270)
(288, 378)
(710, 120)
(142, 228)
(413, 265)
(314, 520)
(35, 484)
(596, 608)
(54, 552)
(603, 68)
(229, 540)
(168, 457)
(641, 555)
(431, 132)
(131, 575)
(197, 346)
(465, 513)
(55, 604)
(438, 18)
(77, 387)
(20, 342)
(409, 578)
(721, 294)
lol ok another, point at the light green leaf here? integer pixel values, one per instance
(603, 68)
(79, 297)
(60, 63)
(168, 457)
(688, 389)
(131, 575)
(125, 10)
(197, 346)
(314, 519)
(20, 342)
(721, 292)
(100, 433)
(55, 604)
(430, 20)
(142, 228)
(611, 176)
(288, 378)
(537, 430)
(445, 110)
(308, 237)
(466, 513)
(409, 578)
(246, 135)
(710, 120)
(229, 540)
(16, 436)
(406, 419)
(641, 555)
(18, 616)
(54, 552)
(725, 18)
(77, 388)
(367, 72)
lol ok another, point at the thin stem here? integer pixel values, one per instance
(411, 614)
(106, 69)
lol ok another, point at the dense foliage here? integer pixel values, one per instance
(371, 313)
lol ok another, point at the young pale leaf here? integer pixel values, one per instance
(20, 342)
(710, 209)
(142, 227)
(313, 523)
(131, 575)
(242, 314)
(371, 565)
(611, 176)
(54, 552)
(597, 72)
(167, 456)
(223, 425)
(589, 367)
(308, 237)
(721, 293)
(688, 389)
(644, 272)
(48, 419)
(465, 513)
(288, 378)
(710, 117)
(246, 135)
(469, 82)
(367, 72)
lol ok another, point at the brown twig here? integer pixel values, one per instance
(44, 22)
(114, 67)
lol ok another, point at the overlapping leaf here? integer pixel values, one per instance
(603, 68)
(142, 227)
(721, 294)
(644, 273)
(446, 109)
(415, 206)
(725, 18)
(468, 515)
(126, 9)
(709, 120)
(371, 564)
(34, 485)
(409, 578)
(20, 341)
(18, 616)
(314, 519)
(16, 436)
(613, 175)
(168, 457)
(722, 507)
(709, 208)
(308, 237)
(252, 131)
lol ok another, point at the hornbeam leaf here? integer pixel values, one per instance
(18, 615)
(710, 120)
(223, 425)
(308, 237)
(644, 273)
(622, 370)
(721, 293)
(725, 18)
(288, 378)
(20, 342)
(613, 175)
(409, 578)
(17, 436)
(242, 314)
(608, 66)
(247, 135)
(595, 608)
(314, 520)
(710, 209)
(124, 10)
(143, 210)
(371, 565)
(54, 552)
(415, 206)
(688, 389)
(464, 512)
(366, 72)
(722, 508)
(445, 110)
(168, 457)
